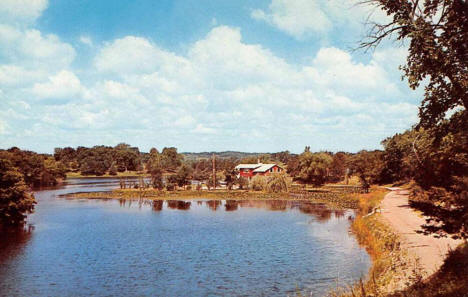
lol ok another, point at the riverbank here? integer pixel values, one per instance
(334, 199)
(119, 174)
(405, 263)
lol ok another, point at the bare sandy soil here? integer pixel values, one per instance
(430, 251)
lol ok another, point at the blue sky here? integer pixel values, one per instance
(257, 76)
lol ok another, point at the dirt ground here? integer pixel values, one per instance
(429, 251)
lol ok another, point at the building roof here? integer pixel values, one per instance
(248, 166)
(257, 167)
(264, 167)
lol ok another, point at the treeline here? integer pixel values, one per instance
(36, 169)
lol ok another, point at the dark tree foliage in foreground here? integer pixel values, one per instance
(15, 200)
(435, 153)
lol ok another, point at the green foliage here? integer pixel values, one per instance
(37, 170)
(170, 159)
(113, 170)
(15, 201)
(367, 165)
(314, 167)
(242, 182)
(437, 160)
(184, 175)
(338, 166)
(437, 157)
(126, 157)
(278, 182)
(171, 182)
(258, 183)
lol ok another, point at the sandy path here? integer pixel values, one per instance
(405, 221)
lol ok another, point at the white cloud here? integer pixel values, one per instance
(12, 75)
(63, 85)
(31, 48)
(141, 56)
(3, 127)
(222, 89)
(304, 18)
(86, 40)
(226, 61)
(297, 17)
(20, 11)
(201, 129)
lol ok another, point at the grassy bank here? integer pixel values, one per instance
(388, 260)
(393, 273)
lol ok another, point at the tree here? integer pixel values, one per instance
(367, 166)
(278, 182)
(438, 50)
(126, 157)
(229, 178)
(314, 167)
(183, 175)
(242, 182)
(438, 56)
(170, 159)
(338, 166)
(15, 201)
(171, 182)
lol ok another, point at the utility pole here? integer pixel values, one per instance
(214, 171)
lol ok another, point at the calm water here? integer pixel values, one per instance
(177, 248)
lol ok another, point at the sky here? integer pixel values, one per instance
(254, 76)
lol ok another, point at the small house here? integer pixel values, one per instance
(250, 170)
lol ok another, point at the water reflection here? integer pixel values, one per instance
(158, 205)
(231, 205)
(213, 204)
(179, 204)
(13, 240)
(320, 211)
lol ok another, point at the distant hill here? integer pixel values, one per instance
(224, 155)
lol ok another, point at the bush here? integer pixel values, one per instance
(278, 182)
(170, 186)
(258, 183)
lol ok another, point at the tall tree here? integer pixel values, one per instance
(314, 167)
(438, 57)
(15, 200)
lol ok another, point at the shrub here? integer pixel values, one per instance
(258, 183)
(278, 182)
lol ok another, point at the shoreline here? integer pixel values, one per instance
(336, 200)
(402, 259)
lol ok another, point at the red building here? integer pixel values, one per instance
(250, 170)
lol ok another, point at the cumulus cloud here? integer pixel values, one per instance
(63, 85)
(297, 17)
(305, 18)
(31, 48)
(21, 11)
(220, 90)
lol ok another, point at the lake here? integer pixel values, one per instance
(177, 248)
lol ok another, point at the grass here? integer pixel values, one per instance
(393, 273)
(382, 244)
(450, 281)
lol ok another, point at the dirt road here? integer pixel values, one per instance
(405, 221)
